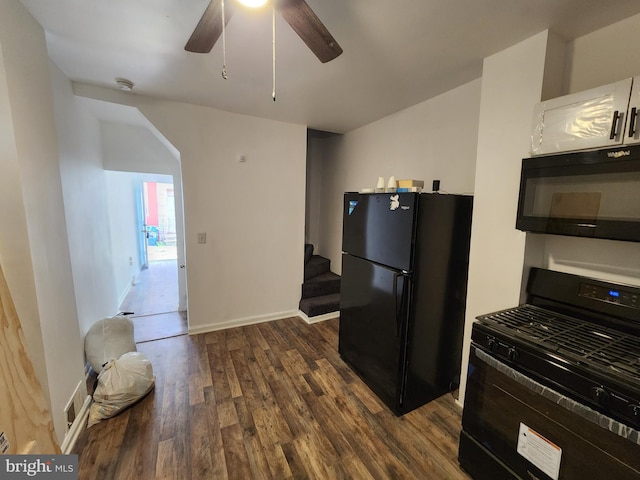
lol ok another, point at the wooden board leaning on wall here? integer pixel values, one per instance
(25, 422)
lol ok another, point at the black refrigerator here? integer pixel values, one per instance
(403, 290)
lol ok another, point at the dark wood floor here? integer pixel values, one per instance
(268, 401)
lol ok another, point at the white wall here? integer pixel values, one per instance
(133, 148)
(313, 199)
(86, 205)
(512, 83)
(604, 56)
(35, 201)
(251, 267)
(435, 139)
(611, 260)
(123, 229)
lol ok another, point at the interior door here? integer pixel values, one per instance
(142, 226)
(373, 324)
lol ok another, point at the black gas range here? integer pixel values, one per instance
(553, 388)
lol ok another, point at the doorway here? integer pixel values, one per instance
(152, 299)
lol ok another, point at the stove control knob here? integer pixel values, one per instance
(513, 354)
(492, 344)
(635, 411)
(600, 395)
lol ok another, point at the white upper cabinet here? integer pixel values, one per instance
(632, 131)
(594, 118)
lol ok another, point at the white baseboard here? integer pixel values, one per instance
(241, 322)
(318, 318)
(78, 425)
(124, 294)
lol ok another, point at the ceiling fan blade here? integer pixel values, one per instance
(310, 29)
(209, 27)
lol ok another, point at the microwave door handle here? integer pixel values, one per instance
(617, 116)
(632, 122)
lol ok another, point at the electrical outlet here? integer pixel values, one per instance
(202, 237)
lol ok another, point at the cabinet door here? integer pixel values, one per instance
(632, 134)
(591, 119)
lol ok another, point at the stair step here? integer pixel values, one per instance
(315, 306)
(315, 266)
(308, 252)
(323, 284)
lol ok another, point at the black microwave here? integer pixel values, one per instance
(586, 194)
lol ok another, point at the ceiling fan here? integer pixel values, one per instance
(296, 13)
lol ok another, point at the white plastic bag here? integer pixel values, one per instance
(121, 383)
(109, 339)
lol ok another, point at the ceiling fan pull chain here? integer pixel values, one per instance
(273, 24)
(224, 46)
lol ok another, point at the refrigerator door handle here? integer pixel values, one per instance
(398, 314)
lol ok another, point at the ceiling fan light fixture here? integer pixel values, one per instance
(253, 3)
(297, 13)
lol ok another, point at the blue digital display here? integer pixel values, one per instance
(613, 293)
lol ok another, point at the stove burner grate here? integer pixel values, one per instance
(585, 342)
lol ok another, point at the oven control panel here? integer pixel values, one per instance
(610, 295)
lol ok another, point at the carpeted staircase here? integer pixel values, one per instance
(321, 287)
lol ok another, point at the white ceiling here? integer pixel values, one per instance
(396, 52)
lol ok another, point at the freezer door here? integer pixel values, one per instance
(380, 227)
(373, 326)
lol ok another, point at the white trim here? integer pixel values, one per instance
(124, 294)
(78, 425)
(318, 318)
(241, 322)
